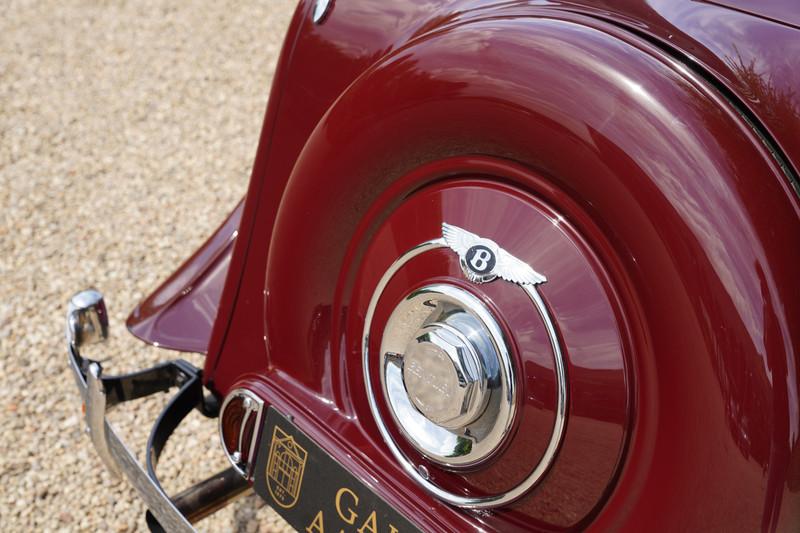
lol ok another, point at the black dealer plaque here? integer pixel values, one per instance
(311, 490)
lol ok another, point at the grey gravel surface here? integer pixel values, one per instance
(127, 132)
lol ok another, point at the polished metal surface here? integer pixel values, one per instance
(157, 501)
(87, 319)
(444, 376)
(482, 260)
(254, 408)
(448, 375)
(95, 404)
(321, 8)
(433, 436)
(87, 322)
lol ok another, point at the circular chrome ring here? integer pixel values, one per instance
(412, 470)
(476, 431)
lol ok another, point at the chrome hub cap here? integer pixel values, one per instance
(447, 372)
(474, 299)
(444, 377)
(448, 375)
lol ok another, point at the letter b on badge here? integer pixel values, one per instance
(481, 259)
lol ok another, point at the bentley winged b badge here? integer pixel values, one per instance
(482, 260)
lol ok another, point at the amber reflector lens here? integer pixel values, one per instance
(234, 437)
(231, 422)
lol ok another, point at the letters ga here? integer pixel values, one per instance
(347, 509)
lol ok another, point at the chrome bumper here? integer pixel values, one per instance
(87, 322)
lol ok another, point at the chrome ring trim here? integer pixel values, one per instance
(559, 424)
(504, 407)
(248, 464)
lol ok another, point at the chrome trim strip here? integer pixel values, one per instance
(559, 425)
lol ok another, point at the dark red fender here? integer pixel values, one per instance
(180, 313)
(755, 57)
(698, 230)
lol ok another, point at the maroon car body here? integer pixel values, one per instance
(642, 154)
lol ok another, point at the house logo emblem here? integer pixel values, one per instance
(285, 467)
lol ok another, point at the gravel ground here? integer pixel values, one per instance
(127, 131)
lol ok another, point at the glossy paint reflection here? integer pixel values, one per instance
(179, 314)
(693, 222)
(756, 57)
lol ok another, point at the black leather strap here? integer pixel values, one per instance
(189, 397)
(140, 384)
